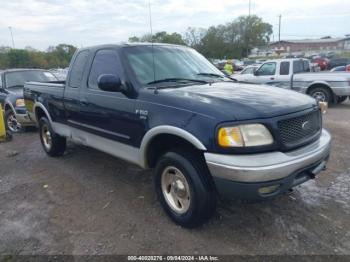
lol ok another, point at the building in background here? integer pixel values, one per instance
(312, 45)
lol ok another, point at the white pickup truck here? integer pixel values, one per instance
(295, 74)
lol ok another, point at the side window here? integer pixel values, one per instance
(0, 82)
(77, 71)
(105, 62)
(298, 67)
(306, 66)
(284, 68)
(267, 69)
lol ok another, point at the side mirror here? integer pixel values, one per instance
(256, 72)
(109, 83)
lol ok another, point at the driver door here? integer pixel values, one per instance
(266, 73)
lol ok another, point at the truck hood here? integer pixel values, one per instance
(237, 101)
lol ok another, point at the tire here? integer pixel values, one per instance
(52, 143)
(321, 94)
(185, 188)
(341, 99)
(11, 122)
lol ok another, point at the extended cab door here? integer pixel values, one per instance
(266, 73)
(74, 84)
(283, 77)
(107, 114)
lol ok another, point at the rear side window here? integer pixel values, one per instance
(284, 68)
(105, 62)
(298, 67)
(77, 71)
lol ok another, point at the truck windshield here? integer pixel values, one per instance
(17, 79)
(170, 63)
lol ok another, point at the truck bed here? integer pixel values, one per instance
(55, 88)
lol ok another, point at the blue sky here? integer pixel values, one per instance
(41, 23)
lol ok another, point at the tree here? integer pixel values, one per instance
(234, 39)
(160, 37)
(56, 56)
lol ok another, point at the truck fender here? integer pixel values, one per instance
(9, 104)
(165, 129)
(41, 106)
(317, 83)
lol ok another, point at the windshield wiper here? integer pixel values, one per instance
(210, 74)
(178, 80)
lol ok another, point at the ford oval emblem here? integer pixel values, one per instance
(306, 125)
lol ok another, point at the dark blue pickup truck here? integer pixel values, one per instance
(166, 107)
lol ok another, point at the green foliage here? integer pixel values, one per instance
(58, 56)
(160, 37)
(232, 40)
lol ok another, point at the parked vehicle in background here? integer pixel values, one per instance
(335, 62)
(295, 74)
(247, 70)
(61, 74)
(202, 132)
(322, 62)
(341, 68)
(338, 69)
(11, 95)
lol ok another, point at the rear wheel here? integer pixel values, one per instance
(53, 144)
(184, 188)
(321, 94)
(11, 122)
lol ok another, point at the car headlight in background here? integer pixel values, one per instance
(244, 136)
(20, 102)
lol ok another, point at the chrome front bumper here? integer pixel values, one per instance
(24, 120)
(270, 166)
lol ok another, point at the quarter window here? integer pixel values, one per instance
(105, 62)
(284, 68)
(77, 72)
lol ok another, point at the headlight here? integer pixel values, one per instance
(20, 102)
(244, 135)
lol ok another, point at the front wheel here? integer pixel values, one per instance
(11, 122)
(53, 144)
(184, 188)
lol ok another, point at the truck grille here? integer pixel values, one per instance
(298, 130)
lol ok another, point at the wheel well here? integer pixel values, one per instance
(163, 143)
(312, 87)
(39, 113)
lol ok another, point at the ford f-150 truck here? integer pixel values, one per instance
(295, 74)
(167, 108)
(11, 95)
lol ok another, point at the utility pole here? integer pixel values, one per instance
(279, 28)
(13, 42)
(246, 30)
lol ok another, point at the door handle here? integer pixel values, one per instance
(272, 78)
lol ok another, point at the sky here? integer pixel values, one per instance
(44, 23)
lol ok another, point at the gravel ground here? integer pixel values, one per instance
(87, 203)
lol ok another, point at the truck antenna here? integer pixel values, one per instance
(151, 27)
